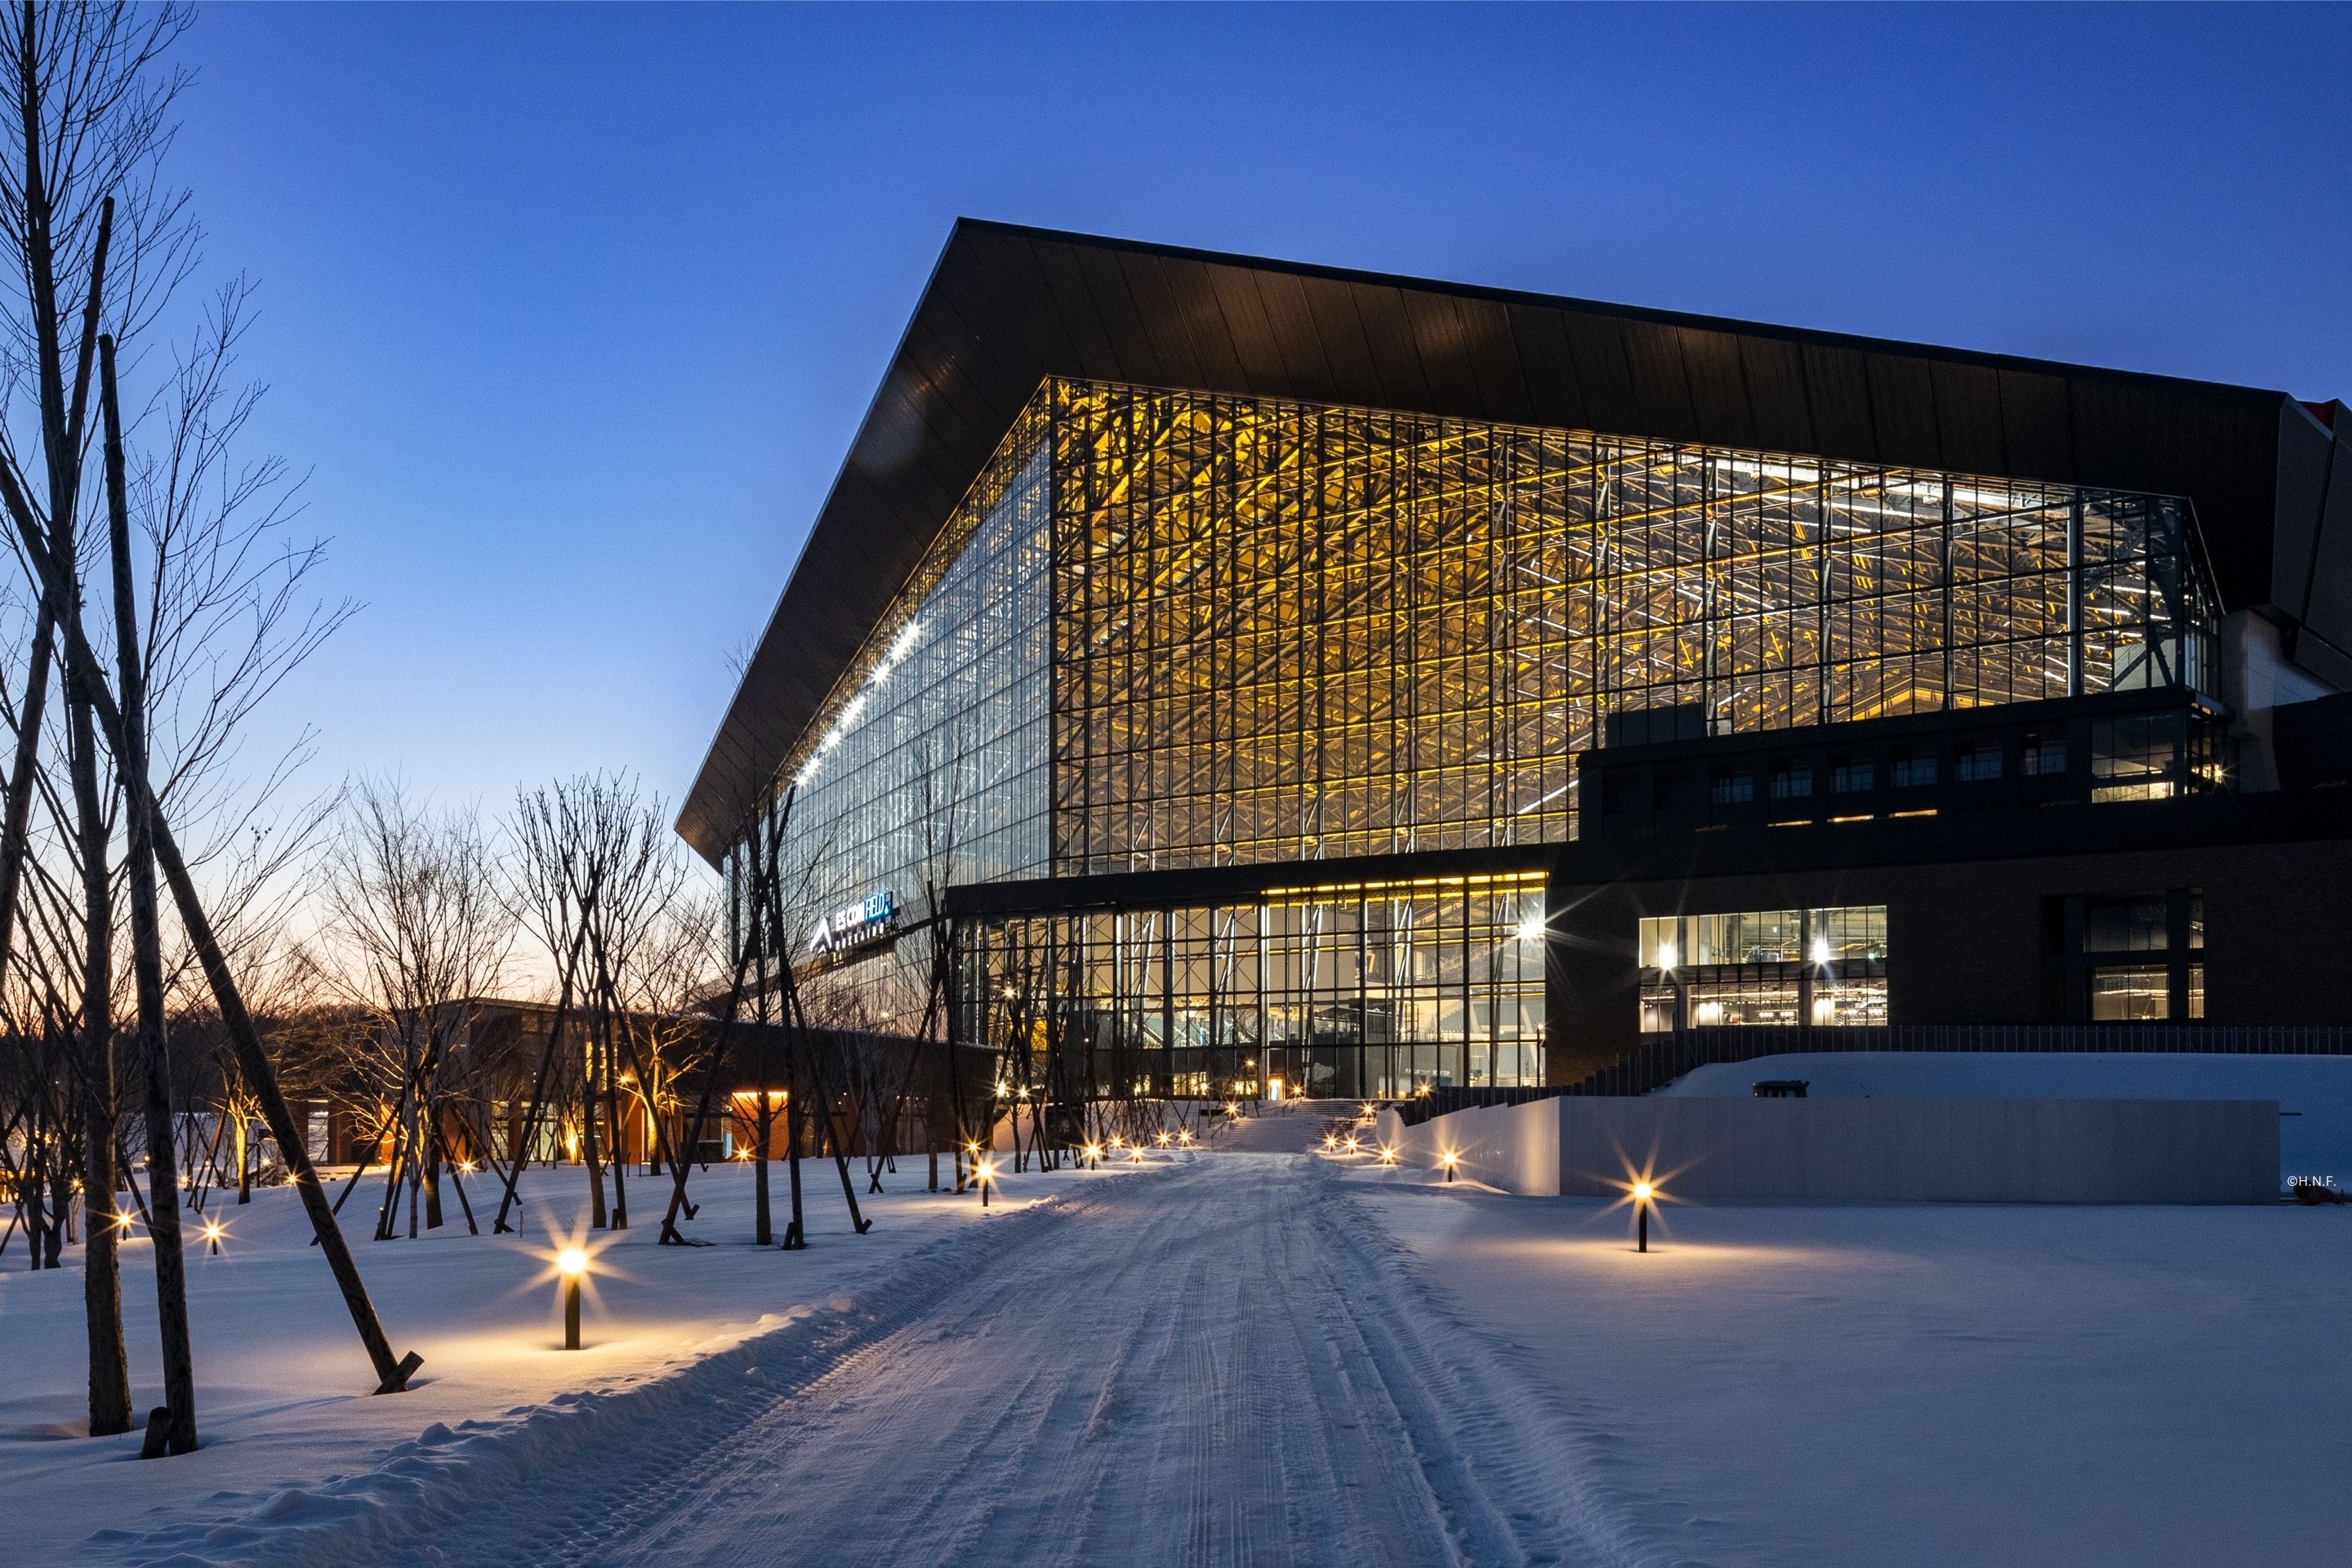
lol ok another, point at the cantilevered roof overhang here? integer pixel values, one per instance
(1007, 307)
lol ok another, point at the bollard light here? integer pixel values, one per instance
(1185, 1138)
(987, 1172)
(1388, 1155)
(213, 1231)
(1449, 1160)
(1093, 1156)
(1162, 1139)
(572, 1264)
(1642, 1191)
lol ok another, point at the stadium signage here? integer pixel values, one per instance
(855, 924)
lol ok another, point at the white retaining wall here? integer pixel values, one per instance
(1898, 1150)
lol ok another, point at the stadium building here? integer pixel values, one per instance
(1287, 679)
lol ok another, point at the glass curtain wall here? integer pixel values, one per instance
(928, 768)
(1376, 989)
(1289, 632)
(1167, 630)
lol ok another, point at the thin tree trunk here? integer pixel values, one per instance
(518, 1155)
(598, 1220)
(763, 1120)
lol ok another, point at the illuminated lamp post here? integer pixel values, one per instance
(1642, 1192)
(213, 1231)
(986, 1169)
(572, 1264)
(1449, 1160)
(1093, 1156)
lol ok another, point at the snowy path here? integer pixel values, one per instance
(1215, 1365)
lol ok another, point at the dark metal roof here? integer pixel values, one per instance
(1006, 307)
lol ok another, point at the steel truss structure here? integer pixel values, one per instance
(1168, 629)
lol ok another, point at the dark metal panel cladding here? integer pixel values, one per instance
(2037, 425)
(2331, 576)
(1307, 372)
(1601, 369)
(1390, 332)
(2304, 487)
(1439, 341)
(1838, 381)
(1255, 345)
(1718, 387)
(1493, 349)
(1968, 417)
(1903, 411)
(1774, 370)
(1340, 328)
(1192, 288)
(1130, 334)
(1167, 326)
(1556, 397)
(1091, 341)
(1654, 354)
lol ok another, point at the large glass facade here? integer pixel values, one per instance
(1171, 630)
(929, 768)
(1286, 632)
(1373, 989)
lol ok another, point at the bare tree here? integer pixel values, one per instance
(414, 937)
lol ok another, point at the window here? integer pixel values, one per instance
(2138, 994)
(2042, 759)
(2142, 757)
(1974, 767)
(2126, 925)
(2139, 954)
(1764, 966)
(1732, 789)
(1791, 784)
(1913, 770)
(1853, 777)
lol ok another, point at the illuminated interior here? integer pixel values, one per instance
(1168, 630)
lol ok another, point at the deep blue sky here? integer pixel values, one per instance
(570, 312)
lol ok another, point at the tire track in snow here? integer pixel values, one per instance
(1225, 1364)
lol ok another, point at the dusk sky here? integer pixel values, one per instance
(570, 313)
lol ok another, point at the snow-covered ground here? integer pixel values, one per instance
(2314, 1093)
(1243, 1357)
(1925, 1385)
(282, 1383)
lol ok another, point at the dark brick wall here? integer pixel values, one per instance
(1964, 938)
